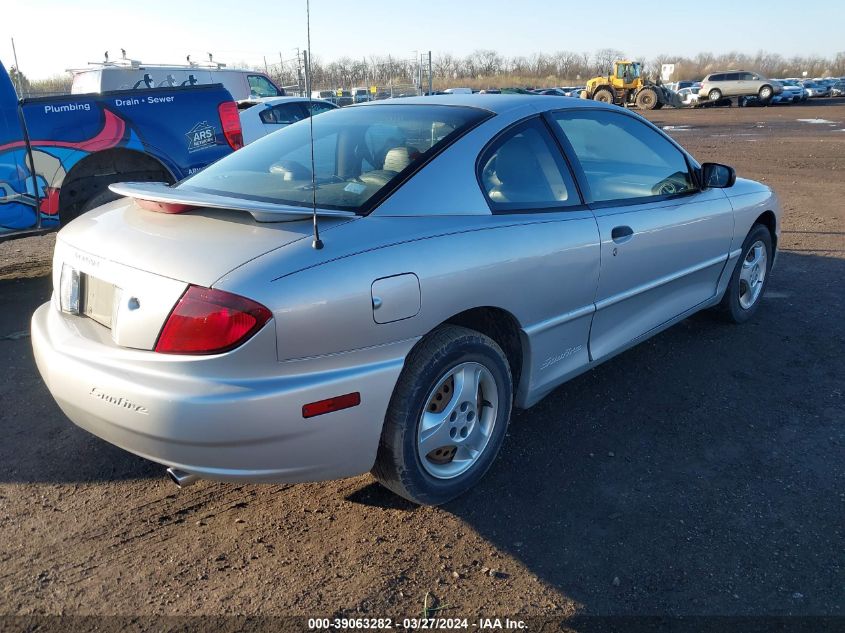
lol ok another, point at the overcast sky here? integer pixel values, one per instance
(53, 35)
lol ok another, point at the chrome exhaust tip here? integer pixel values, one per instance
(181, 478)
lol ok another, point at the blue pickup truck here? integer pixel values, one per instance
(58, 155)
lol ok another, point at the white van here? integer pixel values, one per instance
(128, 74)
(458, 91)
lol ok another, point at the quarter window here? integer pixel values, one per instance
(524, 170)
(317, 107)
(622, 157)
(283, 114)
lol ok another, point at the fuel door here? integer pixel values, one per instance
(396, 298)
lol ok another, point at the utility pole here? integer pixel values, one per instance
(266, 71)
(299, 74)
(430, 80)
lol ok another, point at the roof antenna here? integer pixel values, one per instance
(317, 243)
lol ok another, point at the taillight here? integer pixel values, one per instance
(208, 321)
(231, 122)
(163, 207)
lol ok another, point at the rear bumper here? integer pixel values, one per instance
(235, 416)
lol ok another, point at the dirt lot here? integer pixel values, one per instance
(700, 473)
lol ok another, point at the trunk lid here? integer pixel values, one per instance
(197, 247)
(119, 270)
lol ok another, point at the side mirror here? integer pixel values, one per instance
(718, 176)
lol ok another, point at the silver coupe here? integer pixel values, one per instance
(474, 252)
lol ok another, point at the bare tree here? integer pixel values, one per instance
(604, 59)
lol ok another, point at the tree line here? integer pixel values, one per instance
(486, 68)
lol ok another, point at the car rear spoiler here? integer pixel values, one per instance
(162, 198)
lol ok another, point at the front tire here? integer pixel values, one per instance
(765, 94)
(750, 277)
(447, 417)
(647, 99)
(604, 95)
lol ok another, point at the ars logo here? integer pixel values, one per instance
(200, 136)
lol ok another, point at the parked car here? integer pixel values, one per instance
(688, 96)
(268, 115)
(738, 83)
(127, 74)
(58, 155)
(677, 86)
(474, 252)
(837, 89)
(553, 92)
(793, 91)
(343, 98)
(458, 91)
(361, 94)
(815, 90)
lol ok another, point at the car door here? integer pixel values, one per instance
(17, 197)
(742, 84)
(551, 237)
(733, 85)
(664, 241)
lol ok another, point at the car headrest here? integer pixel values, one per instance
(398, 158)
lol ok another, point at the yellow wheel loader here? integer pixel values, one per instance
(626, 86)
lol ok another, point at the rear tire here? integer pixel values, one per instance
(452, 400)
(750, 277)
(98, 200)
(604, 95)
(714, 95)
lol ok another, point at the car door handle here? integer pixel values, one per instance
(621, 234)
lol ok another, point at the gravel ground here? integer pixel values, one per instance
(699, 473)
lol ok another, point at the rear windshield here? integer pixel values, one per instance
(359, 152)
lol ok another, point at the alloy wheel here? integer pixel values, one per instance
(458, 420)
(752, 275)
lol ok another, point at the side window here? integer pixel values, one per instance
(524, 170)
(318, 107)
(622, 157)
(733, 77)
(261, 86)
(283, 114)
